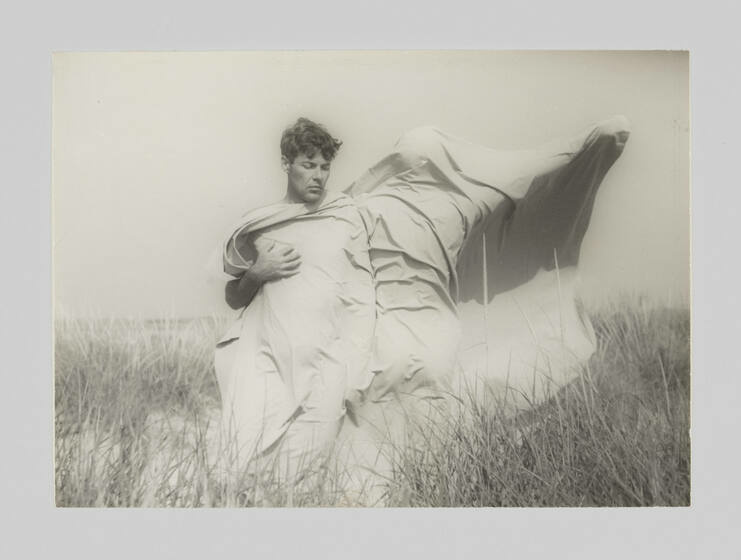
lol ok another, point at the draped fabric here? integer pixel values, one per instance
(475, 253)
(285, 367)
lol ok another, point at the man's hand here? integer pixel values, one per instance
(273, 263)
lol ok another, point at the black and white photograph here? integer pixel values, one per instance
(371, 279)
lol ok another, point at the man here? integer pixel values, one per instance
(287, 364)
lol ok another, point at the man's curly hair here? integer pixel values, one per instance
(307, 137)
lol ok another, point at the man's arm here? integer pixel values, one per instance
(271, 263)
(240, 292)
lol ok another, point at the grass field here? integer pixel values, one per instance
(137, 411)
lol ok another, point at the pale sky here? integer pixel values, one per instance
(156, 154)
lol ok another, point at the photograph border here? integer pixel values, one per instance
(35, 526)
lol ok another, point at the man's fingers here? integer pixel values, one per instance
(283, 253)
(290, 273)
(286, 273)
(293, 265)
(292, 259)
(287, 251)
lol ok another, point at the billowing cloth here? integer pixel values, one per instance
(303, 343)
(474, 252)
(451, 314)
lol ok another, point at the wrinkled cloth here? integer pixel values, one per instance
(285, 366)
(474, 252)
(447, 312)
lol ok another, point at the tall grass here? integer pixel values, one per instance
(137, 411)
(124, 392)
(618, 436)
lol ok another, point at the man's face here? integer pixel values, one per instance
(307, 177)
